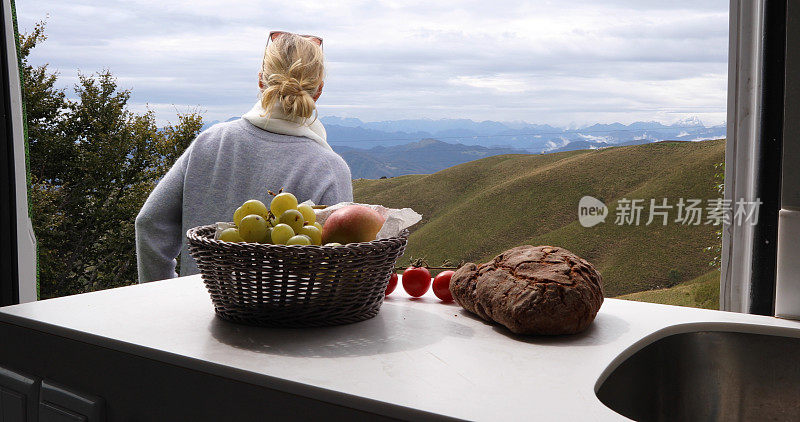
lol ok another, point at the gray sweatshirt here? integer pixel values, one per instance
(225, 166)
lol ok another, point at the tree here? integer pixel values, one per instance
(93, 164)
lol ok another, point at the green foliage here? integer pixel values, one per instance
(674, 277)
(93, 164)
(476, 210)
(43, 104)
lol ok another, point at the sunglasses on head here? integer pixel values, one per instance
(273, 35)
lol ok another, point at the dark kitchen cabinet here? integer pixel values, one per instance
(114, 385)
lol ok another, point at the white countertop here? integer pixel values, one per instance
(416, 353)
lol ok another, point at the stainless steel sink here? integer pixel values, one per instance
(708, 376)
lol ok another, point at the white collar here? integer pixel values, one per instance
(279, 122)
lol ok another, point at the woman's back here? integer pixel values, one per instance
(226, 165)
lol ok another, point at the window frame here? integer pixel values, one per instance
(757, 154)
(754, 154)
(18, 270)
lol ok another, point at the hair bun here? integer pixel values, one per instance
(287, 86)
(292, 73)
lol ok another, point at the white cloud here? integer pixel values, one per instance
(497, 83)
(593, 138)
(544, 62)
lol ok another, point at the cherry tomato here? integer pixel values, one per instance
(416, 281)
(441, 285)
(392, 284)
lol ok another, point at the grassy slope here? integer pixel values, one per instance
(475, 210)
(701, 292)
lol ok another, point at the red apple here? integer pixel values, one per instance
(351, 224)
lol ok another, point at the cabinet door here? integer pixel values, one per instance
(18, 396)
(60, 404)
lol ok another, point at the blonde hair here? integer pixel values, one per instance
(291, 73)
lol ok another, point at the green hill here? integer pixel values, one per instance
(701, 292)
(475, 210)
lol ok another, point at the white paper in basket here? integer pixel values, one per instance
(396, 219)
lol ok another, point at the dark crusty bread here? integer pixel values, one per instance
(532, 290)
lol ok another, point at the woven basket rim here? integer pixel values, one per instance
(194, 235)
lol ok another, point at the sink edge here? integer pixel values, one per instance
(681, 328)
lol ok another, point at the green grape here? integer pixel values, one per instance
(268, 240)
(238, 215)
(319, 226)
(281, 234)
(282, 202)
(253, 228)
(293, 218)
(254, 206)
(299, 240)
(313, 233)
(231, 235)
(308, 213)
(333, 244)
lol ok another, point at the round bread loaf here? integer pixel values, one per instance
(532, 290)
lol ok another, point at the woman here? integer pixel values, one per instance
(279, 143)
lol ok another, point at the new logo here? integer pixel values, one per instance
(591, 211)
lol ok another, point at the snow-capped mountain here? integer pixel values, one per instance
(534, 138)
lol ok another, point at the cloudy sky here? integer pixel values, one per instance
(556, 62)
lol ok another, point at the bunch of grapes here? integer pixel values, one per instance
(284, 223)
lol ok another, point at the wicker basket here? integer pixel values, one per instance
(295, 286)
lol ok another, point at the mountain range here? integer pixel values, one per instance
(398, 147)
(422, 157)
(533, 138)
(423, 146)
